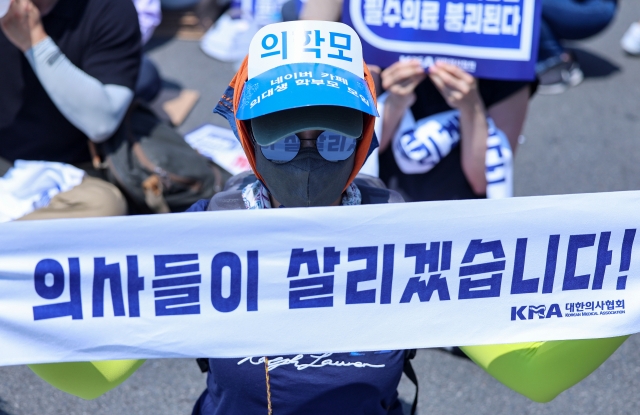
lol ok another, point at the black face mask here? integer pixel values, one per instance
(307, 180)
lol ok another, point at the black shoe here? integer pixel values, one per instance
(559, 77)
(455, 351)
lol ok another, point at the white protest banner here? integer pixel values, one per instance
(335, 279)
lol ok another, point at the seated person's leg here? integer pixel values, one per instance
(574, 20)
(149, 81)
(549, 48)
(91, 198)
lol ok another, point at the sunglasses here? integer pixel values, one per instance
(331, 145)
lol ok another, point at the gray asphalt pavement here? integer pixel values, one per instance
(585, 140)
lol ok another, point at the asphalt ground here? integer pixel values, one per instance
(584, 140)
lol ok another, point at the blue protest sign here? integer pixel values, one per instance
(495, 39)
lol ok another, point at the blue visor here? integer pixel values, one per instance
(304, 84)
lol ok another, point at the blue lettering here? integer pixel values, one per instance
(370, 254)
(220, 261)
(387, 274)
(625, 257)
(572, 281)
(71, 308)
(516, 313)
(169, 297)
(554, 310)
(424, 256)
(550, 268)
(322, 294)
(518, 284)
(476, 247)
(603, 260)
(44, 268)
(252, 281)
(446, 256)
(425, 290)
(539, 310)
(178, 296)
(469, 288)
(101, 273)
(331, 259)
(299, 257)
(161, 262)
(135, 284)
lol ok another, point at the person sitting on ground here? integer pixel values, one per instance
(294, 165)
(480, 111)
(416, 93)
(561, 20)
(69, 68)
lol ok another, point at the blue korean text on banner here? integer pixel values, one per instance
(297, 64)
(495, 39)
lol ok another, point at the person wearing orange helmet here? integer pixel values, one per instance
(304, 114)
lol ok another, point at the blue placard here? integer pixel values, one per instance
(495, 39)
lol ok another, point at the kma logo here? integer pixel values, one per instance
(521, 313)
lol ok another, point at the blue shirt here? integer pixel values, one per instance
(312, 384)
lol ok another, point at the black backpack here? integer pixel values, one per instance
(5, 165)
(157, 171)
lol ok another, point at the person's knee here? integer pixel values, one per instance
(102, 198)
(91, 198)
(149, 82)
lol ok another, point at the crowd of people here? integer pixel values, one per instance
(73, 77)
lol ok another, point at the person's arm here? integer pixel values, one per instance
(510, 113)
(460, 90)
(542, 370)
(93, 107)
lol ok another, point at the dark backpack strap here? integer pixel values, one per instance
(203, 364)
(5, 165)
(411, 374)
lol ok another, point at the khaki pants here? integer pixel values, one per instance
(91, 198)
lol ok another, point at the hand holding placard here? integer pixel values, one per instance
(457, 87)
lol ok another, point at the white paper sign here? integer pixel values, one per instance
(219, 145)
